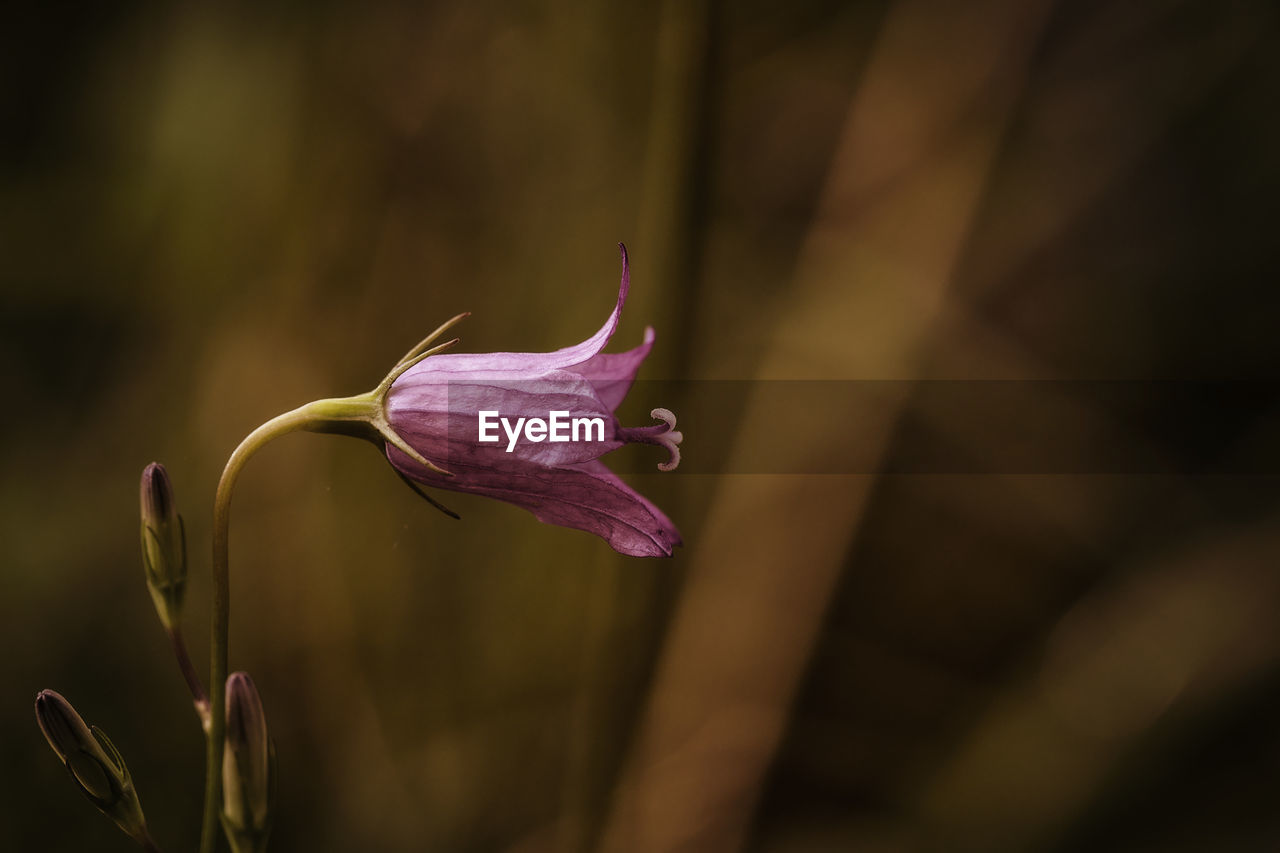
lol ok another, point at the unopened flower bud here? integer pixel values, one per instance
(93, 762)
(164, 545)
(248, 768)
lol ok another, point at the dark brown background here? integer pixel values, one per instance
(213, 213)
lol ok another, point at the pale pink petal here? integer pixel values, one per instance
(611, 373)
(434, 407)
(586, 497)
(439, 417)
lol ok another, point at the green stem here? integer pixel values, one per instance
(351, 414)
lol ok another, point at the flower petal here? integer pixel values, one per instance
(611, 373)
(439, 417)
(577, 354)
(586, 497)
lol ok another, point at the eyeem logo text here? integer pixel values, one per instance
(558, 427)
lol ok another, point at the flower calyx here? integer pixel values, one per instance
(365, 415)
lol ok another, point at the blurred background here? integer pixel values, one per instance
(212, 213)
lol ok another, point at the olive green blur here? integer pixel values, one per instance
(214, 213)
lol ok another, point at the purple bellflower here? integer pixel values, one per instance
(530, 428)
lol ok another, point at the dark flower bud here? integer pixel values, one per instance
(248, 768)
(93, 761)
(164, 544)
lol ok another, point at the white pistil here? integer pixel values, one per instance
(670, 439)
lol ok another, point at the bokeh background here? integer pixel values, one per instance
(211, 213)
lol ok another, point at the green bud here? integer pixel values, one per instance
(93, 761)
(248, 768)
(164, 545)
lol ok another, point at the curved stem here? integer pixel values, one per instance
(320, 416)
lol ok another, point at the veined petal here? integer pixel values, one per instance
(611, 373)
(433, 409)
(440, 418)
(586, 497)
(441, 367)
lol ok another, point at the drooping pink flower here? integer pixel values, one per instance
(435, 407)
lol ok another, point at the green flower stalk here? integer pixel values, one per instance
(248, 768)
(361, 416)
(420, 416)
(94, 763)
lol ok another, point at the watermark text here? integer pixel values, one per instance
(557, 427)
